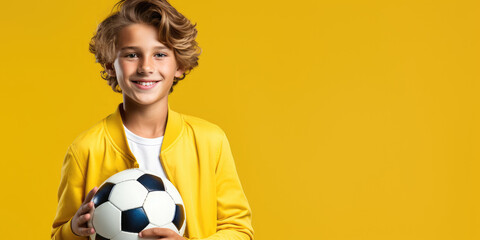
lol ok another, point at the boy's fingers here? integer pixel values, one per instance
(155, 232)
(83, 219)
(90, 195)
(86, 231)
(85, 208)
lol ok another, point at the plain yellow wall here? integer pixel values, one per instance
(347, 119)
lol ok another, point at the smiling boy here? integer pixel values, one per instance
(146, 47)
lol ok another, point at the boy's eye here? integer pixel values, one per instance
(160, 55)
(131, 55)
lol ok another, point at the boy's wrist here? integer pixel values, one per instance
(67, 232)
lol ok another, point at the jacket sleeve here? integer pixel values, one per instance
(233, 210)
(70, 195)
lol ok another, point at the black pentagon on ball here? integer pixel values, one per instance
(102, 194)
(100, 237)
(179, 216)
(151, 182)
(134, 220)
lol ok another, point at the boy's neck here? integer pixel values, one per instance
(145, 121)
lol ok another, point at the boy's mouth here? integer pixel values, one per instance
(145, 83)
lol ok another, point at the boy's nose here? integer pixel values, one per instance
(145, 66)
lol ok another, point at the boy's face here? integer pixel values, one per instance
(144, 67)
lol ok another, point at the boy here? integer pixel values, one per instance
(146, 48)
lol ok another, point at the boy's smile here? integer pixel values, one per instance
(143, 66)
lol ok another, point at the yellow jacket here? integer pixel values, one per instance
(196, 157)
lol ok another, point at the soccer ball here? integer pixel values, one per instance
(133, 200)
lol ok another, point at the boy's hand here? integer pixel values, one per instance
(80, 220)
(160, 233)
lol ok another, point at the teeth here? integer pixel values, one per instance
(146, 83)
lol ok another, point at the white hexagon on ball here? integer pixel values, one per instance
(170, 188)
(136, 195)
(106, 220)
(159, 207)
(127, 236)
(129, 174)
(171, 226)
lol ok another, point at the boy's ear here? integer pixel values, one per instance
(179, 72)
(110, 70)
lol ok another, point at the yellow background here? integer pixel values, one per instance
(347, 119)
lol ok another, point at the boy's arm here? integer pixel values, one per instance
(233, 211)
(70, 195)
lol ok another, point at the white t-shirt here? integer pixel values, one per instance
(146, 151)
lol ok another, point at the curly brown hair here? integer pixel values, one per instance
(175, 31)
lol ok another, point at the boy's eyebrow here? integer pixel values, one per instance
(137, 48)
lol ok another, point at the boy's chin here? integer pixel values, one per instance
(147, 101)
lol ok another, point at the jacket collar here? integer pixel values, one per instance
(115, 129)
